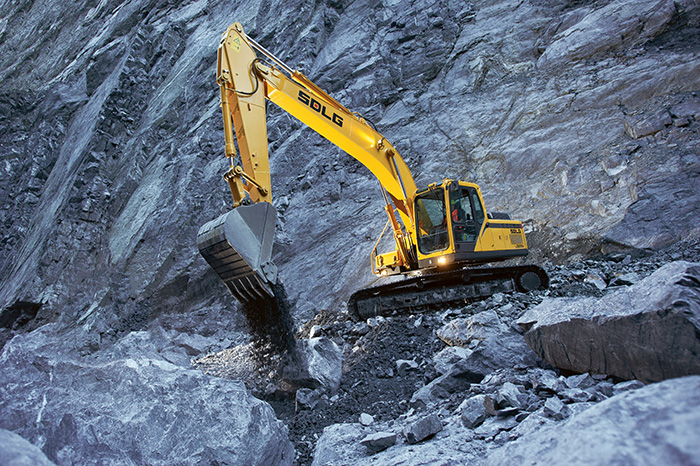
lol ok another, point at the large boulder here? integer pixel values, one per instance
(657, 424)
(490, 344)
(649, 331)
(128, 405)
(15, 451)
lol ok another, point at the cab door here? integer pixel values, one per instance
(431, 220)
(467, 217)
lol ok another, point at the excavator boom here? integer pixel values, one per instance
(247, 80)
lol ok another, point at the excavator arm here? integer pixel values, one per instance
(238, 244)
(243, 108)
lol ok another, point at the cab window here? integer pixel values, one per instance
(478, 209)
(467, 214)
(432, 221)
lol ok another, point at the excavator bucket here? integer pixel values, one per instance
(238, 246)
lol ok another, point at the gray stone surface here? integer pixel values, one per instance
(510, 395)
(648, 331)
(423, 428)
(307, 398)
(554, 408)
(649, 125)
(532, 423)
(641, 226)
(627, 386)
(15, 451)
(493, 426)
(457, 380)
(378, 441)
(545, 397)
(472, 330)
(458, 443)
(491, 344)
(128, 405)
(658, 424)
(403, 366)
(446, 358)
(596, 31)
(472, 411)
(340, 445)
(320, 365)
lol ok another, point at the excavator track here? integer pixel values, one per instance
(449, 288)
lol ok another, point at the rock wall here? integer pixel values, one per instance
(580, 118)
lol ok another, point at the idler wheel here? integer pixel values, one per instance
(529, 281)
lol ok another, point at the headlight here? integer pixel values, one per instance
(442, 260)
(385, 272)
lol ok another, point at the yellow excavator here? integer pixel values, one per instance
(442, 233)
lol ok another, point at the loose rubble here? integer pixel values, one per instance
(486, 405)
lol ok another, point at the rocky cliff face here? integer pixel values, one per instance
(579, 117)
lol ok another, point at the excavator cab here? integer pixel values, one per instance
(468, 235)
(462, 206)
(453, 229)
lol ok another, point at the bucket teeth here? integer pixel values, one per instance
(238, 246)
